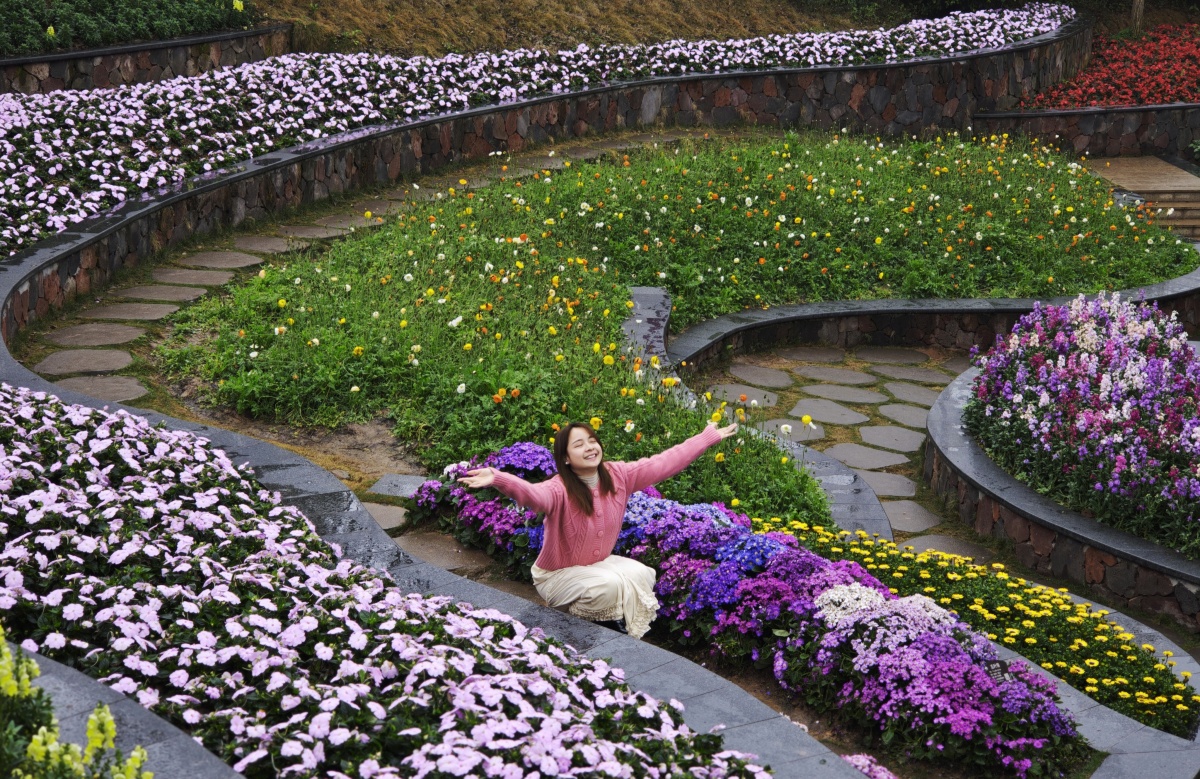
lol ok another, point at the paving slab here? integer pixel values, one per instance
(523, 590)
(314, 232)
(733, 394)
(957, 365)
(377, 207)
(888, 485)
(836, 375)
(981, 554)
(799, 433)
(760, 376)
(905, 415)
(911, 393)
(202, 278)
(618, 144)
(84, 361)
(398, 485)
(889, 354)
(146, 312)
(812, 353)
(909, 373)
(859, 456)
(267, 244)
(909, 516)
(542, 162)
(516, 172)
(161, 292)
(387, 517)
(846, 394)
(827, 411)
(444, 551)
(901, 439)
(95, 334)
(220, 260)
(115, 389)
(586, 153)
(347, 221)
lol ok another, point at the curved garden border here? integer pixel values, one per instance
(172, 754)
(138, 63)
(1105, 131)
(1048, 537)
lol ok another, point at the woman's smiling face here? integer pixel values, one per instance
(583, 451)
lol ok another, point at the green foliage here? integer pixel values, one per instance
(36, 26)
(29, 746)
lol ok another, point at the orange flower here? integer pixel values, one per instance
(516, 393)
(742, 398)
(497, 398)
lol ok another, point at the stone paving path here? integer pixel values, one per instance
(868, 407)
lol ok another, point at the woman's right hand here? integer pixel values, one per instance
(478, 478)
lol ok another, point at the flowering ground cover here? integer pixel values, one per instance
(36, 26)
(146, 559)
(1162, 66)
(69, 156)
(902, 667)
(1095, 404)
(29, 745)
(442, 313)
(1071, 640)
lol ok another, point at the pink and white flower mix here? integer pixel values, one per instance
(68, 156)
(145, 558)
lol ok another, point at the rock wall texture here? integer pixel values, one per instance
(1106, 132)
(143, 62)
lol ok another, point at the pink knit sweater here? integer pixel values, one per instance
(575, 538)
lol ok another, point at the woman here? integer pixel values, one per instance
(584, 507)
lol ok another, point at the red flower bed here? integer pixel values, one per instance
(1161, 67)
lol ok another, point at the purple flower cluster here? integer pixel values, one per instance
(835, 634)
(869, 766)
(1098, 404)
(146, 559)
(67, 156)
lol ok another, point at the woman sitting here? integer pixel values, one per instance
(584, 506)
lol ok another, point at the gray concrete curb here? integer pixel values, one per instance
(172, 754)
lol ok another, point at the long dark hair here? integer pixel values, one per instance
(578, 492)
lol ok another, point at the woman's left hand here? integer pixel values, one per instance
(724, 432)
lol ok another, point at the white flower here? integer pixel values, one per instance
(455, 322)
(374, 314)
(785, 429)
(462, 388)
(408, 277)
(354, 388)
(629, 426)
(253, 355)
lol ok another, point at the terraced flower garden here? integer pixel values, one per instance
(477, 313)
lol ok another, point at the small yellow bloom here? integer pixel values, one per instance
(282, 303)
(595, 422)
(608, 359)
(720, 457)
(466, 347)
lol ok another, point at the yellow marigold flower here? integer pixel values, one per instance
(719, 457)
(466, 347)
(358, 351)
(608, 359)
(595, 422)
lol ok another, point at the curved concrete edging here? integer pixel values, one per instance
(1049, 537)
(171, 753)
(143, 61)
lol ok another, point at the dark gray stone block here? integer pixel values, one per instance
(632, 656)
(900, 439)
(398, 485)
(844, 394)
(95, 334)
(827, 411)
(909, 373)
(889, 485)
(905, 415)
(84, 361)
(143, 312)
(909, 516)
(220, 260)
(812, 354)
(858, 456)
(114, 389)
(680, 679)
(911, 393)
(777, 741)
(836, 375)
(889, 354)
(730, 707)
(760, 376)
(161, 292)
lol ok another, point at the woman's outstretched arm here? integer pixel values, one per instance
(540, 497)
(651, 470)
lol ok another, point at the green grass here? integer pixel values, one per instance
(523, 286)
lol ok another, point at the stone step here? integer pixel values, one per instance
(114, 389)
(313, 232)
(268, 244)
(220, 260)
(84, 361)
(161, 292)
(146, 312)
(199, 278)
(95, 334)
(347, 221)
(859, 456)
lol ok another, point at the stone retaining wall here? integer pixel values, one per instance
(1106, 132)
(142, 62)
(919, 96)
(1122, 568)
